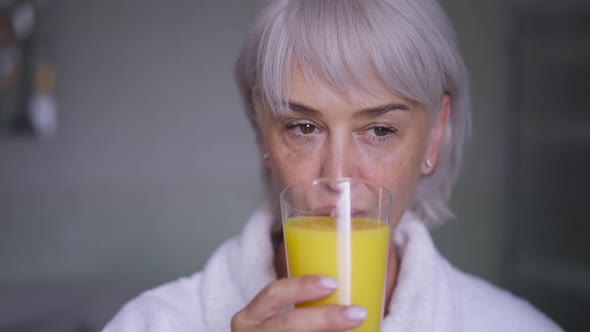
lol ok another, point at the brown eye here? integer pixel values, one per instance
(307, 128)
(381, 131)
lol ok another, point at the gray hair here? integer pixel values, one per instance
(407, 47)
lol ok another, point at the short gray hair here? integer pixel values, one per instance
(407, 47)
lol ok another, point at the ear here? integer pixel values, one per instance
(437, 134)
(265, 159)
(263, 147)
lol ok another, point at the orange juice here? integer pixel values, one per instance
(311, 244)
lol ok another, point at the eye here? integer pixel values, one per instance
(378, 133)
(382, 131)
(307, 128)
(303, 128)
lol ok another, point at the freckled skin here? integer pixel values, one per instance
(341, 147)
(334, 141)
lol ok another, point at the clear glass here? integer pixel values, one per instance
(340, 228)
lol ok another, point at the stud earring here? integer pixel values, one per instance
(428, 163)
(266, 156)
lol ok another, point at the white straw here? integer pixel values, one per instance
(343, 227)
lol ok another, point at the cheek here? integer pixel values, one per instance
(290, 165)
(398, 170)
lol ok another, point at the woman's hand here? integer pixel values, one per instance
(264, 313)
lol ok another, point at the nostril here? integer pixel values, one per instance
(335, 185)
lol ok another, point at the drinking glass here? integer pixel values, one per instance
(340, 228)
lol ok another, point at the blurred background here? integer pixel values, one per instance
(125, 157)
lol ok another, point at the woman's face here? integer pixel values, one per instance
(383, 139)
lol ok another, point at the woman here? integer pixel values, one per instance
(371, 89)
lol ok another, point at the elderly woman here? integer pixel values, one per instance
(369, 89)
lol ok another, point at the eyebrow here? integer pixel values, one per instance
(374, 112)
(302, 109)
(371, 112)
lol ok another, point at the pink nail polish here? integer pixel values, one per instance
(356, 313)
(328, 283)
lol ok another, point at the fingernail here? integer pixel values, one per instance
(356, 313)
(328, 283)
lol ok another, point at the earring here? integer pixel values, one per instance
(266, 156)
(428, 163)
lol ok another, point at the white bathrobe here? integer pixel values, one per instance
(431, 295)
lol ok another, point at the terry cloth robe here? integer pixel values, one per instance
(430, 295)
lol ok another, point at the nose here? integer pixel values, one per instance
(339, 157)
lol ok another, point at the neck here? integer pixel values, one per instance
(280, 263)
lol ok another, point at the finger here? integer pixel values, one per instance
(288, 291)
(318, 319)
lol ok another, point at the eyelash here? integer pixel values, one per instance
(390, 131)
(292, 126)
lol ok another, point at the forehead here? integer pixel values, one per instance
(317, 93)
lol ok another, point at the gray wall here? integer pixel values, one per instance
(474, 241)
(154, 163)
